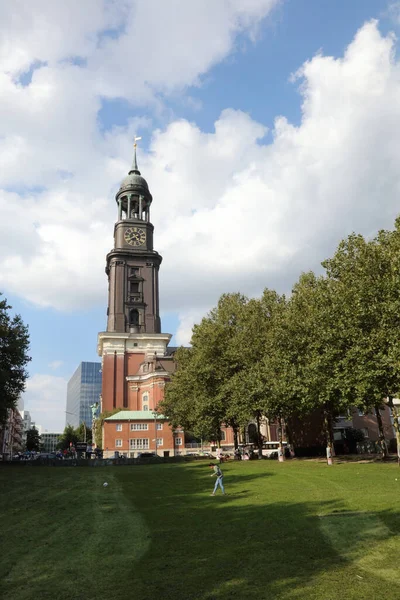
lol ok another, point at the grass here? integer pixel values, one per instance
(297, 531)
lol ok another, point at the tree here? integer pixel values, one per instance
(317, 348)
(226, 347)
(199, 396)
(253, 344)
(68, 438)
(276, 369)
(367, 281)
(189, 402)
(33, 440)
(14, 346)
(84, 433)
(229, 374)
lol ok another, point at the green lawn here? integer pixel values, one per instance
(299, 530)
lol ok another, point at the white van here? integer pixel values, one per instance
(269, 449)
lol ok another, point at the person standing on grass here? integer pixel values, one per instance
(219, 482)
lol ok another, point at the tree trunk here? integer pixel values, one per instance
(289, 435)
(259, 437)
(396, 426)
(244, 440)
(235, 437)
(281, 452)
(329, 437)
(382, 441)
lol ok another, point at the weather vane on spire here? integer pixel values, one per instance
(134, 168)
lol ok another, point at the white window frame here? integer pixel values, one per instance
(118, 443)
(139, 444)
(223, 435)
(118, 427)
(145, 401)
(178, 441)
(160, 442)
(159, 426)
(139, 427)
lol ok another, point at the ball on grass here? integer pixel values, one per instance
(105, 484)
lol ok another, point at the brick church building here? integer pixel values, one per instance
(136, 359)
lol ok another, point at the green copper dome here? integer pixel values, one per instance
(134, 182)
(134, 179)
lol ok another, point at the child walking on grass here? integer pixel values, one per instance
(219, 482)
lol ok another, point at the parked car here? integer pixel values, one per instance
(146, 455)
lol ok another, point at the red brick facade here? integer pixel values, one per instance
(134, 379)
(130, 437)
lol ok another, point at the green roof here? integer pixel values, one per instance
(134, 415)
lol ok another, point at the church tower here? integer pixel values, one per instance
(136, 360)
(132, 265)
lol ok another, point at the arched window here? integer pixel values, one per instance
(145, 401)
(134, 317)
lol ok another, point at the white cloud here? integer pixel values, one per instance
(267, 212)
(58, 172)
(171, 44)
(45, 398)
(187, 320)
(50, 31)
(55, 364)
(232, 212)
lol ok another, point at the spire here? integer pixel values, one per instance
(134, 168)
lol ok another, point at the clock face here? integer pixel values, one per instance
(135, 236)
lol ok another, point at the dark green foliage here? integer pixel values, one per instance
(354, 435)
(14, 346)
(68, 437)
(84, 433)
(221, 379)
(32, 440)
(71, 435)
(332, 346)
(366, 280)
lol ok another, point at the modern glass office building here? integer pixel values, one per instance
(84, 389)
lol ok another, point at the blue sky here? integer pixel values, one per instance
(228, 136)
